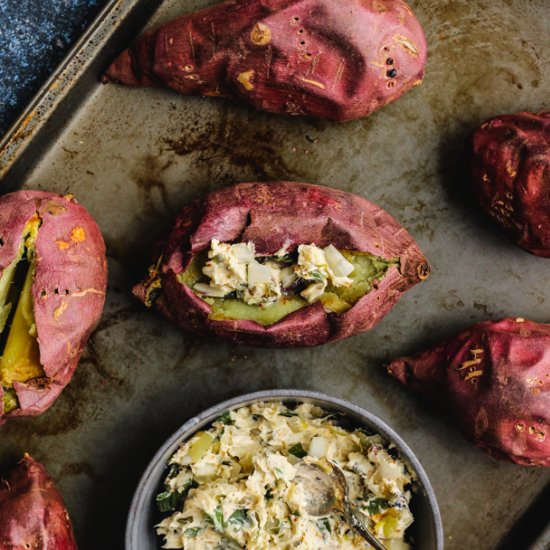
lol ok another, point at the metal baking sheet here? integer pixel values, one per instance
(134, 157)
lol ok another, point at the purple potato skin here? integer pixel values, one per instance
(495, 379)
(68, 288)
(336, 59)
(510, 164)
(32, 512)
(273, 215)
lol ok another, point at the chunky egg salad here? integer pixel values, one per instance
(239, 284)
(234, 268)
(235, 485)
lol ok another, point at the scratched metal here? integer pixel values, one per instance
(134, 157)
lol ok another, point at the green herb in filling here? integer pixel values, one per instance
(377, 505)
(225, 418)
(297, 450)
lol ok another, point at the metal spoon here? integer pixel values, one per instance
(326, 493)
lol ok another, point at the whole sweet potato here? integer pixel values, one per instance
(279, 215)
(53, 277)
(337, 59)
(32, 513)
(495, 378)
(511, 176)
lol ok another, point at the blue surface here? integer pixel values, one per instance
(35, 35)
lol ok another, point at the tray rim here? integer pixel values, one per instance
(48, 97)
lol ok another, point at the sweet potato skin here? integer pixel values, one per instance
(495, 378)
(510, 159)
(32, 512)
(68, 288)
(273, 215)
(337, 59)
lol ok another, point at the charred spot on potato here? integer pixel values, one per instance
(260, 34)
(246, 80)
(20, 357)
(368, 271)
(153, 284)
(423, 271)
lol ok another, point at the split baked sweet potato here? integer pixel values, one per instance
(495, 378)
(53, 277)
(32, 513)
(337, 59)
(511, 176)
(282, 264)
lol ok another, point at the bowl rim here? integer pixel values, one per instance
(142, 494)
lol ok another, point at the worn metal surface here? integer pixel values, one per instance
(133, 157)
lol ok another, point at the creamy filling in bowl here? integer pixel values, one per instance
(236, 484)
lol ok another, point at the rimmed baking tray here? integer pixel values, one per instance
(134, 157)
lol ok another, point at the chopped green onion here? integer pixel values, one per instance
(297, 450)
(239, 517)
(192, 532)
(316, 276)
(168, 501)
(324, 525)
(225, 418)
(217, 519)
(377, 505)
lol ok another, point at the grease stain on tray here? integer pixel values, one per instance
(240, 145)
(76, 469)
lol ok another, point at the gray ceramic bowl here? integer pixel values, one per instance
(140, 533)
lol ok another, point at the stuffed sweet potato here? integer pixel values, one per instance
(337, 59)
(511, 176)
(53, 276)
(282, 264)
(32, 513)
(495, 378)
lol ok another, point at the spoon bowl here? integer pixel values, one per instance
(328, 492)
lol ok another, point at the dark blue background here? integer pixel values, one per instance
(35, 35)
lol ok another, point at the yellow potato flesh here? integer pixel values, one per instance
(20, 360)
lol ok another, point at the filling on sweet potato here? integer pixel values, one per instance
(242, 286)
(20, 357)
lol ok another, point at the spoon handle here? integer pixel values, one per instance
(348, 511)
(365, 533)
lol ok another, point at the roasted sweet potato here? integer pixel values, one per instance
(336, 59)
(303, 302)
(495, 378)
(511, 176)
(32, 513)
(53, 277)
